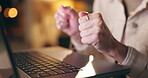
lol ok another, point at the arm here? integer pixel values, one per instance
(138, 63)
(67, 21)
(95, 32)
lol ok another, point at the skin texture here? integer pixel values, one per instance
(67, 20)
(95, 32)
(92, 31)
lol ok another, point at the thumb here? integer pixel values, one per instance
(81, 14)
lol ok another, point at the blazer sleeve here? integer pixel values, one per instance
(138, 63)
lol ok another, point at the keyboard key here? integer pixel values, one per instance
(75, 70)
(59, 71)
(39, 65)
(47, 64)
(44, 74)
(50, 66)
(59, 66)
(47, 70)
(34, 75)
(37, 70)
(53, 68)
(51, 72)
(43, 68)
(66, 70)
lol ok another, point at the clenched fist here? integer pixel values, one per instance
(67, 20)
(93, 31)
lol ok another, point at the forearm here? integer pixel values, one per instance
(119, 53)
(129, 56)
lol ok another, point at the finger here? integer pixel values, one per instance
(90, 16)
(60, 18)
(90, 39)
(89, 24)
(88, 32)
(67, 10)
(64, 16)
(84, 16)
(85, 25)
(61, 11)
(83, 13)
(61, 21)
(71, 11)
(62, 25)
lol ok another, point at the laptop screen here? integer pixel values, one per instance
(6, 58)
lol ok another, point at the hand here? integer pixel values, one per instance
(67, 20)
(94, 32)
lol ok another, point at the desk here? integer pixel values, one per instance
(90, 66)
(97, 68)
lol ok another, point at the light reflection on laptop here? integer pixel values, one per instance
(88, 70)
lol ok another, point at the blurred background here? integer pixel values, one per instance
(31, 23)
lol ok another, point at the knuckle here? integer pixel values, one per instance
(83, 40)
(98, 21)
(81, 34)
(86, 40)
(79, 20)
(82, 19)
(80, 27)
(99, 14)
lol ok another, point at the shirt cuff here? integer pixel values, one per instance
(136, 61)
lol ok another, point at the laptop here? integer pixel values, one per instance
(36, 63)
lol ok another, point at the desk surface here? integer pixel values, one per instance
(90, 66)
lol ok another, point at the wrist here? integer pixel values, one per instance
(76, 36)
(119, 52)
(76, 41)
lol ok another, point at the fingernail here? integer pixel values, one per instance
(83, 13)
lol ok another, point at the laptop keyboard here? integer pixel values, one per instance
(38, 65)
